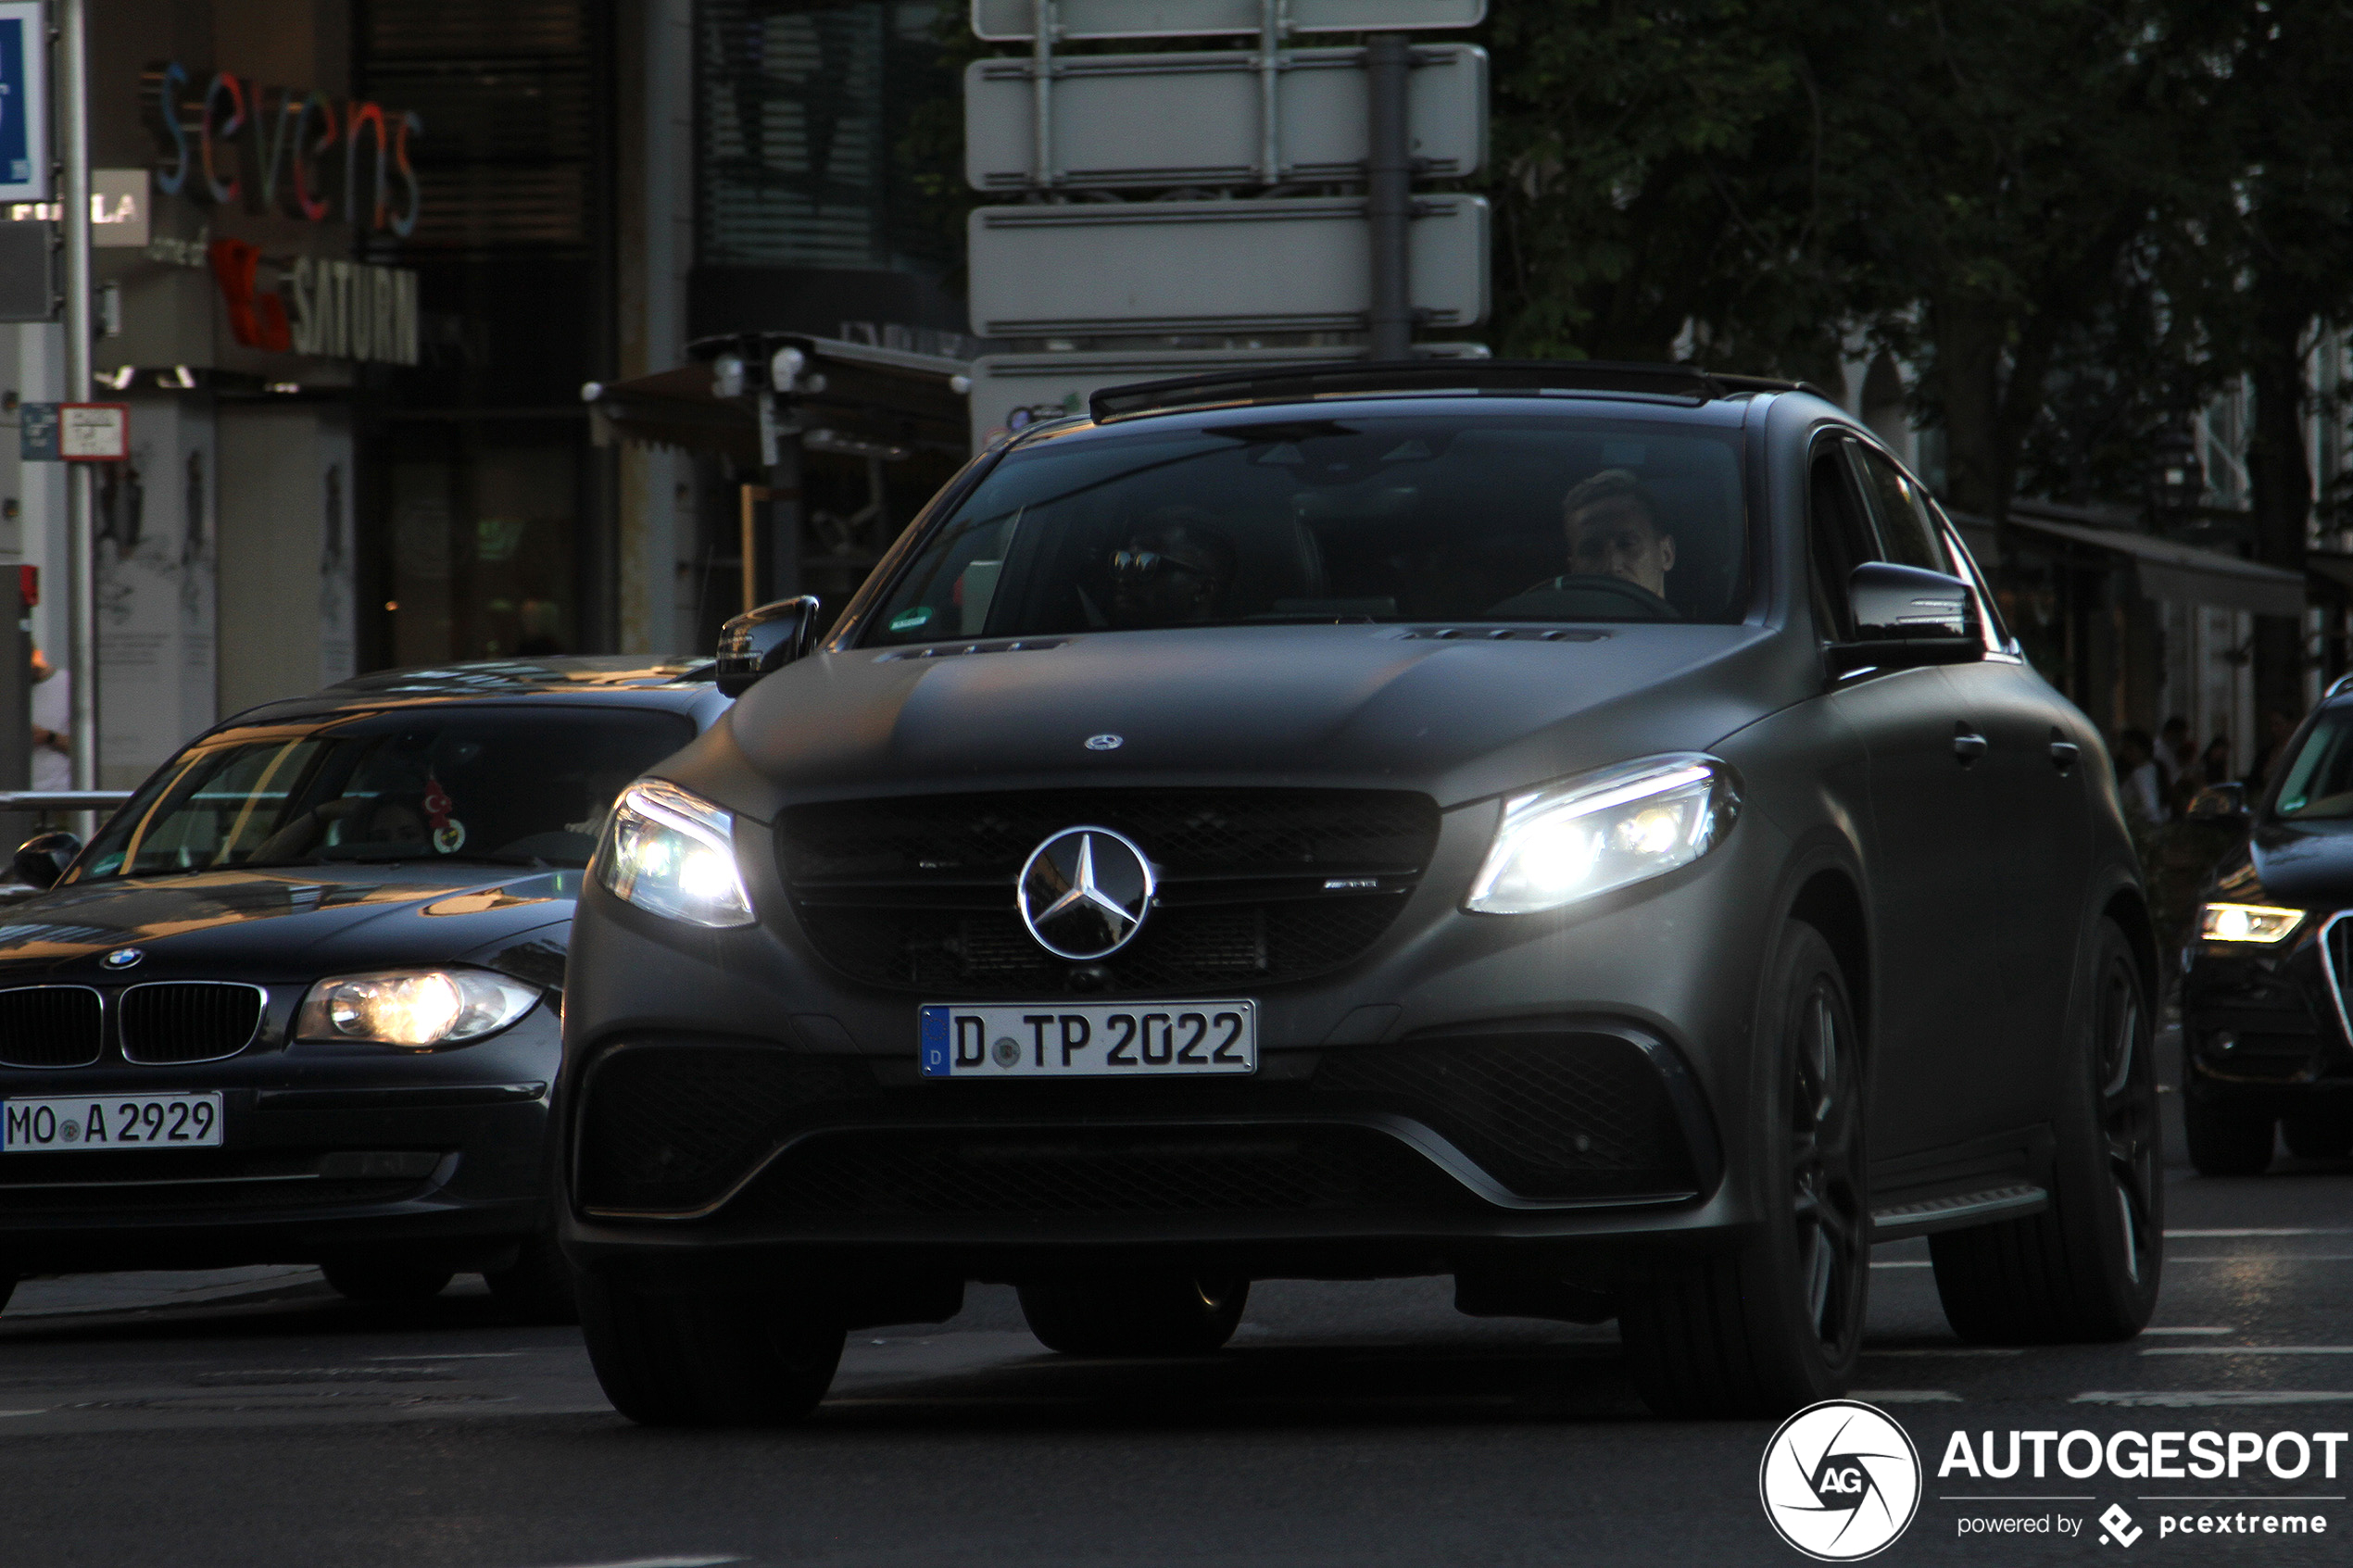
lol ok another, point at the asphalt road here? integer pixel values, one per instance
(1348, 1424)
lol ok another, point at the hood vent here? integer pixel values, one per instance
(954, 650)
(1519, 634)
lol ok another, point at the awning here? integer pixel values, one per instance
(2185, 574)
(874, 402)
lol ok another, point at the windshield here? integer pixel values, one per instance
(529, 788)
(1462, 516)
(2317, 784)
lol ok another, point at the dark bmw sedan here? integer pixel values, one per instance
(2266, 1052)
(1582, 830)
(298, 1000)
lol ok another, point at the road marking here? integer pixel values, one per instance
(476, 1356)
(2180, 1399)
(660, 1562)
(2286, 1230)
(1950, 1350)
(1904, 1397)
(2247, 1350)
(2237, 1496)
(2185, 1331)
(1906, 1263)
(24, 1412)
(2262, 1257)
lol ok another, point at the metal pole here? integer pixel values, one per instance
(1269, 67)
(780, 454)
(73, 120)
(1388, 197)
(1041, 90)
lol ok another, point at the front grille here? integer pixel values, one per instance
(1082, 1173)
(49, 1026)
(188, 1019)
(918, 893)
(1551, 1115)
(672, 1127)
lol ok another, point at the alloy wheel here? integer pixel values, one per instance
(1827, 1202)
(2128, 1113)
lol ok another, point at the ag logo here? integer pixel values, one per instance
(1840, 1481)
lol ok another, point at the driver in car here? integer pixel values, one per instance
(1616, 529)
(1173, 569)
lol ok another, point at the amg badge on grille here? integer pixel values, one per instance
(1083, 893)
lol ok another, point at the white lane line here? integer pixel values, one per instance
(2180, 1399)
(2238, 1497)
(2284, 1230)
(2186, 1331)
(473, 1356)
(24, 1412)
(1948, 1350)
(2263, 1258)
(1906, 1263)
(2247, 1350)
(1904, 1397)
(659, 1562)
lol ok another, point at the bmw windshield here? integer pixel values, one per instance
(1452, 516)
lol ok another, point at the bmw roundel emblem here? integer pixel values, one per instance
(122, 957)
(1084, 892)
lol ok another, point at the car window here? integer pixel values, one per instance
(1338, 517)
(2318, 783)
(1907, 533)
(1988, 612)
(1838, 537)
(522, 787)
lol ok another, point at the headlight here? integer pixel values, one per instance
(2246, 923)
(1573, 840)
(674, 854)
(413, 1006)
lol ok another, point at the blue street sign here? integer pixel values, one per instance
(37, 433)
(24, 103)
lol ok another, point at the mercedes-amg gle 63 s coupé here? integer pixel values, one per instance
(1580, 829)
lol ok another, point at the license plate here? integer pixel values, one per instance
(1088, 1040)
(52, 1126)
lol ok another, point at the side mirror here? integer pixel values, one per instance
(43, 857)
(1906, 617)
(2219, 803)
(768, 638)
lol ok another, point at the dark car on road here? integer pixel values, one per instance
(298, 1000)
(2267, 1049)
(1580, 829)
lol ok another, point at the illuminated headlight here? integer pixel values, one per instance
(674, 854)
(1573, 840)
(2246, 922)
(416, 1008)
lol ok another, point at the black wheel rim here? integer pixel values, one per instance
(2127, 1088)
(1827, 1193)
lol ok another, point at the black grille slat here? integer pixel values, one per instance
(187, 1020)
(49, 1026)
(916, 892)
(1094, 1174)
(1549, 1115)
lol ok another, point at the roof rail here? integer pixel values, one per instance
(1298, 383)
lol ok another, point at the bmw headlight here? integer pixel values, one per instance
(2246, 923)
(674, 854)
(1591, 835)
(416, 1008)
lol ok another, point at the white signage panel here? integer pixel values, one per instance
(1237, 266)
(1010, 21)
(1195, 119)
(1011, 391)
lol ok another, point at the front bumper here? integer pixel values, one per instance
(2270, 1023)
(1506, 1094)
(325, 1152)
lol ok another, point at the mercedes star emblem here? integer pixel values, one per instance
(1083, 893)
(122, 957)
(1105, 743)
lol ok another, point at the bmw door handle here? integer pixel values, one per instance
(1967, 744)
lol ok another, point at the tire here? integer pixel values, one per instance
(2227, 1137)
(2324, 1131)
(538, 1286)
(387, 1280)
(1137, 1315)
(1777, 1323)
(2086, 1268)
(719, 1356)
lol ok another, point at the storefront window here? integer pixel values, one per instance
(484, 562)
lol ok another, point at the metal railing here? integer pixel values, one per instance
(62, 799)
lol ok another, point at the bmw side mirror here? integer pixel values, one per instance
(1905, 617)
(2219, 803)
(42, 858)
(766, 639)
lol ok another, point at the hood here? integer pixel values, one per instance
(296, 923)
(2306, 864)
(1341, 706)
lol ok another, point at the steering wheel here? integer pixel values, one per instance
(1640, 602)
